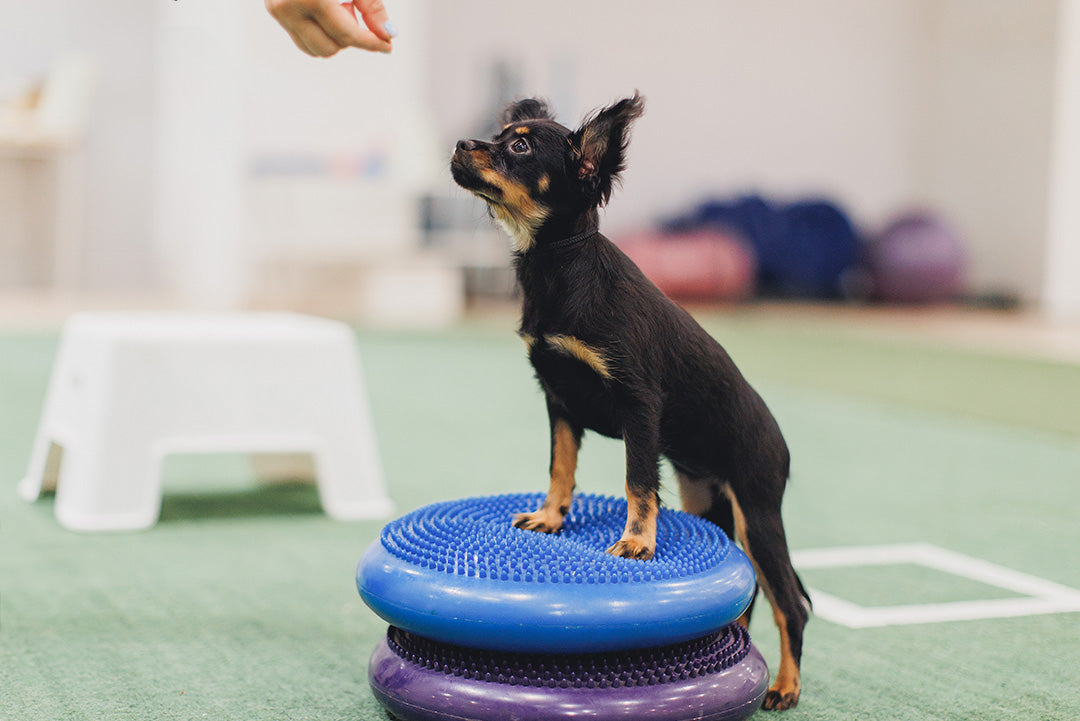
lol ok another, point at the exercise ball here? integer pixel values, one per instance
(918, 258)
(702, 265)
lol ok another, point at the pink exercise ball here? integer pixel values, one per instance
(701, 265)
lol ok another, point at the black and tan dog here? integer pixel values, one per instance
(614, 355)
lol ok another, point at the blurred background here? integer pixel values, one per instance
(184, 153)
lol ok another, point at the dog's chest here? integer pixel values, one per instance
(579, 376)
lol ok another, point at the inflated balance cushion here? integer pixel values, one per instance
(459, 573)
(719, 677)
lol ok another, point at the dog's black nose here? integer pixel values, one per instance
(467, 145)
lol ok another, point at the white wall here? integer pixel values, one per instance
(198, 225)
(982, 150)
(187, 95)
(786, 97)
(882, 105)
(1061, 295)
(353, 109)
(116, 35)
(879, 104)
(233, 93)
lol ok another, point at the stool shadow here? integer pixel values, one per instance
(274, 499)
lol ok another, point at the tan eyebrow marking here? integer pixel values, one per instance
(521, 130)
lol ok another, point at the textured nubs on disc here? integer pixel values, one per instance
(459, 572)
(473, 537)
(622, 669)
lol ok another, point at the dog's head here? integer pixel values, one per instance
(537, 170)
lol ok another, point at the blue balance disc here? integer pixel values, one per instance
(458, 572)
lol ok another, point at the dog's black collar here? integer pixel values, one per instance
(566, 242)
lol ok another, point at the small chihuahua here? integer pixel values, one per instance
(614, 355)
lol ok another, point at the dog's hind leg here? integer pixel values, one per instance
(704, 497)
(760, 529)
(565, 443)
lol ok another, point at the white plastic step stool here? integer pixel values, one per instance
(128, 389)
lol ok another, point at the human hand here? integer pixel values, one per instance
(322, 27)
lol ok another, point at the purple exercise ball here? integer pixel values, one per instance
(918, 258)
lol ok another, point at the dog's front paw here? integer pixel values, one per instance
(632, 547)
(777, 699)
(544, 521)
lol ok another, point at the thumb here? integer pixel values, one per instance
(376, 18)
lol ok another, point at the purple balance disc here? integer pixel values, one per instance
(720, 677)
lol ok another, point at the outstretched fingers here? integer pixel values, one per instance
(321, 28)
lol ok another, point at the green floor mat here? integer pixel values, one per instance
(240, 603)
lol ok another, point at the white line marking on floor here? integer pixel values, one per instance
(1040, 596)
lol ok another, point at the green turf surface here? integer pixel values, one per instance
(240, 603)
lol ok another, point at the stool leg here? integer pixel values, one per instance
(42, 473)
(350, 479)
(111, 484)
(43, 470)
(350, 476)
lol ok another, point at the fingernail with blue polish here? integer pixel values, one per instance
(390, 29)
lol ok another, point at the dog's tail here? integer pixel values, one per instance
(804, 592)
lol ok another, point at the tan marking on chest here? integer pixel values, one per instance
(576, 348)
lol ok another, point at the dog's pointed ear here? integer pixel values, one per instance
(600, 146)
(528, 109)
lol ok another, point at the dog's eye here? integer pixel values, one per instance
(520, 146)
